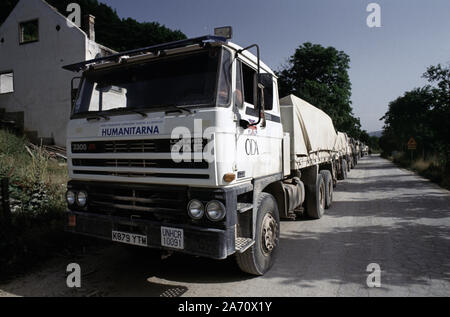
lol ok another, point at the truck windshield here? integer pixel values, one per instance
(187, 80)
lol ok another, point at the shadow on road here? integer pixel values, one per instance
(381, 215)
(409, 254)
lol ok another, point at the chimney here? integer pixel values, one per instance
(89, 26)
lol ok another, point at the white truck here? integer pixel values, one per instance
(185, 146)
(343, 152)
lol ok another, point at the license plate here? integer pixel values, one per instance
(129, 238)
(172, 238)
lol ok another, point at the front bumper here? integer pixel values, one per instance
(208, 242)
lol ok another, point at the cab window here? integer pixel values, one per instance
(249, 78)
(239, 93)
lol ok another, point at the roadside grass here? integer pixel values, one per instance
(432, 167)
(37, 186)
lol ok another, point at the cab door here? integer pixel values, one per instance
(258, 147)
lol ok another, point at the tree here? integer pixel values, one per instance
(373, 143)
(423, 113)
(364, 137)
(319, 75)
(111, 31)
(410, 116)
(6, 7)
(439, 78)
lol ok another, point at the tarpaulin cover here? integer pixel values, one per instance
(311, 129)
(341, 143)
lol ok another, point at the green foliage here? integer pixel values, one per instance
(110, 30)
(37, 187)
(319, 75)
(37, 184)
(6, 7)
(374, 144)
(424, 114)
(439, 78)
(410, 116)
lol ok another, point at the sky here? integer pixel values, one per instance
(385, 61)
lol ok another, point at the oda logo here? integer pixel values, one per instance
(251, 147)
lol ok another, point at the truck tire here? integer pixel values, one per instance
(340, 171)
(315, 199)
(344, 169)
(328, 180)
(259, 258)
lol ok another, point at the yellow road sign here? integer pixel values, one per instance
(412, 144)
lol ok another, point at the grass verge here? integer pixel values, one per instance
(37, 186)
(432, 168)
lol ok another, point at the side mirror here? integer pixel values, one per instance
(261, 107)
(266, 81)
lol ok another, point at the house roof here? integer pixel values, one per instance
(55, 10)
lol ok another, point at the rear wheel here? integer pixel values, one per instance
(344, 169)
(341, 170)
(315, 198)
(328, 180)
(258, 259)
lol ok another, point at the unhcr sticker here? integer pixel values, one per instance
(153, 126)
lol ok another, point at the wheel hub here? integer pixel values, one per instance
(322, 196)
(269, 234)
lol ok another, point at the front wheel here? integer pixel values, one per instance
(258, 259)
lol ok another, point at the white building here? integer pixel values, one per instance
(35, 42)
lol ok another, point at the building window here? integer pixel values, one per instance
(29, 31)
(6, 82)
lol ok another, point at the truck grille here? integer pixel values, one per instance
(87, 166)
(152, 163)
(129, 146)
(149, 202)
(142, 174)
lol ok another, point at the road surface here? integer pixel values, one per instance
(381, 214)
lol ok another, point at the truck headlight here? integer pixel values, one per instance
(196, 210)
(70, 197)
(81, 199)
(215, 210)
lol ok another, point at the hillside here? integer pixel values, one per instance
(376, 133)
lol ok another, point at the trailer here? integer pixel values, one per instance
(186, 147)
(343, 155)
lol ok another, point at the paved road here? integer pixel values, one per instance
(381, 214)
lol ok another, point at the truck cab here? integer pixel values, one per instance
(180, 146)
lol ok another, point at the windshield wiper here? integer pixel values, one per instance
(125, 110)
(93, 116)
(97, 117)
(138, 112)
(178, 109)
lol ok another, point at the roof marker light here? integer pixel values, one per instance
(225, 31)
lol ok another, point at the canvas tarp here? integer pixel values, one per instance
(341, 143)
(311, 129)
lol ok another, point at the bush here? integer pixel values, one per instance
(37, 186)
(37, 183)
(432, 167)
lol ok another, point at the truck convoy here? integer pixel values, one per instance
(186, 146)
